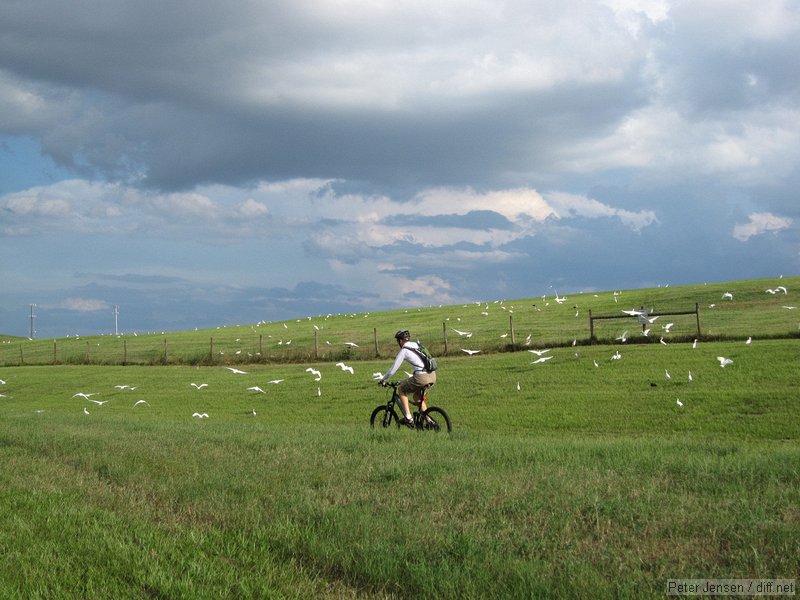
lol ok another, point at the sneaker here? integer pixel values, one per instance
(407, 423)
(430, 423)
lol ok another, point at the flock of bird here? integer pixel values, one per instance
(542, 356)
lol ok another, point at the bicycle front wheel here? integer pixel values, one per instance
(383, 416)
(436, 419)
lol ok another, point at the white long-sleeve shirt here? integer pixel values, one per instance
(408, 355)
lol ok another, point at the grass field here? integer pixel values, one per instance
(493, 325)
(578, 477)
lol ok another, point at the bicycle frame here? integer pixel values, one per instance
(422, 419)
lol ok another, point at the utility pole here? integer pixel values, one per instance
(33, 316)
(116, 319)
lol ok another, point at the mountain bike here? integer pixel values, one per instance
(433, 419)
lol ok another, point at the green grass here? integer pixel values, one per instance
(587, 481)
(752, 312)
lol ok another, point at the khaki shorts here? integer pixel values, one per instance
(417, 381)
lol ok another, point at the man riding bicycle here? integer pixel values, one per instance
(417, 383)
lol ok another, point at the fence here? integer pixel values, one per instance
(643, 317)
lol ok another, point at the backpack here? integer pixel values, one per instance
(428, 361)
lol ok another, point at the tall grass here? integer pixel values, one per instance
(561, 479)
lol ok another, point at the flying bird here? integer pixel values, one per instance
(727, 295)
(723, 362)
(539, 352)
(623, 338)
(275, 381)
(470, 352)
(82, 395)
(463, 333)
(200, 415)
(236, 371)
(616, 356)
(344, 367)
(542, 359)
(667, 327)
(138, 402)
(351, 344)
(98, 402)
(255, 388)
(200, 386)
(314, 372)
(633, 313)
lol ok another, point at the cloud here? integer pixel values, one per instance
(759, 224)
(83, 305)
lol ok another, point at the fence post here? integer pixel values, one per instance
(444, 335)
(511, 327)
(316, 344)
(88, 354)
(165, 350)
(55, 352)
(591, 328)
(21, 356)
(375, 340)
(261, 343)
(697, 316)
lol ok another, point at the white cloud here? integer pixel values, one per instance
(759, 224)
(84, 304)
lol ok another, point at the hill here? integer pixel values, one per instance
(759, 308)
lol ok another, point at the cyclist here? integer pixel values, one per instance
(415, 384)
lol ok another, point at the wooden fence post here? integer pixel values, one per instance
(375, 340)
(55, 352)
(211, 350)
(444, 336)
(511, 327)
(88, 354)
(316, 343)
(697, 316)
(165, 350)
(591, 328)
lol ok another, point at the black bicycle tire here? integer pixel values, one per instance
(443, 416)
(384, 421)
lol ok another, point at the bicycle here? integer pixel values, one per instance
(433, 419)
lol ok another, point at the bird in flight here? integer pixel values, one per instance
(470, 352)
(82, 395)
(200, 415)
(314, 372)
(198, 386)
(98, 402)
(541, 359)
(727, 295)
(344, 367)
(255, 388)
(236, 371)
(724, 362)
(138, 402)
(467, 334)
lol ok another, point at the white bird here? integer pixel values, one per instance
(319, 392)
(463, 333)
(314, 372)
(470, 352)
(2, 381)
(254, 412)
(646, 332)
(82, 395)
(518, 387)
(690, 376)
(679, 403)
(633, 313)
(98, 402)
(790, 307)
(723, 362)
(123, 387)
(344, 367)
(623, 338)
(652, 320)
(200, 386)
(666, 372)
(539, 352)
(377, 375)
(351, 344)
(236, 371)
(667, 327)
(138, 402)
(616, 356)
(749, 340)
(595, 364)
(661, 340)
(276, 381)
(200, 415)
(542, 359)
(727, 295)
(255, 388)
(86, 412)
(694, 344)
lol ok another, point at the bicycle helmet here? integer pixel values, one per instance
(403, 334)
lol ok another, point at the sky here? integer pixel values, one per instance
(217, 163)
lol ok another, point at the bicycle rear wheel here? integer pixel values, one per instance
(383, 416)
(440, 420)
